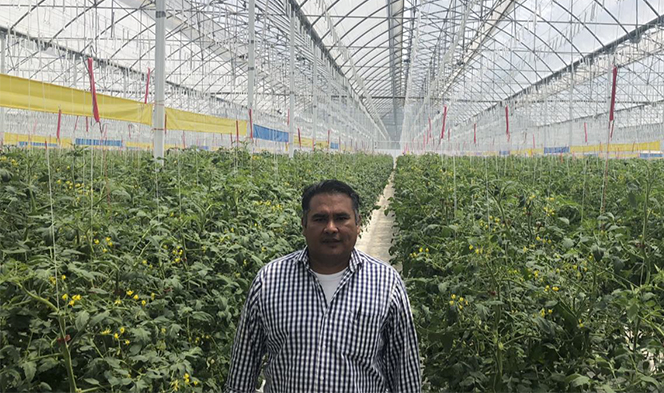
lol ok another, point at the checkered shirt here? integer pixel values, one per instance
(363, 342)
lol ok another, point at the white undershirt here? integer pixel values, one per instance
(330, 282)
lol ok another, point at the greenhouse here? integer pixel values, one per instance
(155, 162)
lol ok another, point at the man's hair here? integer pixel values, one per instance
(332, 186)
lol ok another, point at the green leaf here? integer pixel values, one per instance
(606, 388)
(140, 335)
(576, 380)
(30, 368)
(568, 243)
(81, 320)
(47, 364)
(98, 318)
(91, 381)
(647, 379)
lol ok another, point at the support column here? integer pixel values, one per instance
(159, 115)
(252, 63)
(291, 83)
(314, 91)
(3, 69)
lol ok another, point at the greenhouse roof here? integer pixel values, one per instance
(399, 62)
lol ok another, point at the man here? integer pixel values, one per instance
(330, 318)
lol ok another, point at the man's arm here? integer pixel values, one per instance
(249, 345)
(402, 357)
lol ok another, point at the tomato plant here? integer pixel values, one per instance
(120, 274)
(520, 282)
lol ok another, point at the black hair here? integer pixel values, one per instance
(331, 186)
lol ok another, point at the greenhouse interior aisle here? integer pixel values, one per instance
(376, 237)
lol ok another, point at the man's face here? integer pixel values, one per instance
(331, 229)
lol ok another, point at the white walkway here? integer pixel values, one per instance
(376, 236)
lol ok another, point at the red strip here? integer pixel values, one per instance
(475, 134)
(237, 131)
(147, 87)
(328, 139)
(299, 137)
(442, 130)
(288, 118)
(87, 124)
(251, 125)
(613, 100)
(585, 130)
(57, 135)
(93, 91)
(613, 94)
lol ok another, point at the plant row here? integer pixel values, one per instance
(118, 273)
(533, 274)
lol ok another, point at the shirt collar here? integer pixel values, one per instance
(355, 263)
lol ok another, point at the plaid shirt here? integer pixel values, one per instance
(364, 341)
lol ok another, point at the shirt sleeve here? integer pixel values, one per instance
(402, 358)
(249, 346)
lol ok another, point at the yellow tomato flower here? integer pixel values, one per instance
(116, 336)
(556, 289)
(145, 262)
(65, 297)
(107, 331)
(451, 302)
(152, 295)
(76, 297)
(130, 292)
(143, 302)
(71, 303)
(63, 277)
(122, 330)
(460, 298)
(470, 246)
(96, 241)
(453, 296)
(117, 302)
(127, 342)
(135, 297)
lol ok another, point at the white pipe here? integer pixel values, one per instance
(158, 119)
(291, 49)
(252, 59)
(314, 87)
(3, 49)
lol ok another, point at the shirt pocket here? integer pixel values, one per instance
(363, 339)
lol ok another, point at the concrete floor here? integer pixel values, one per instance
(376, 236)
